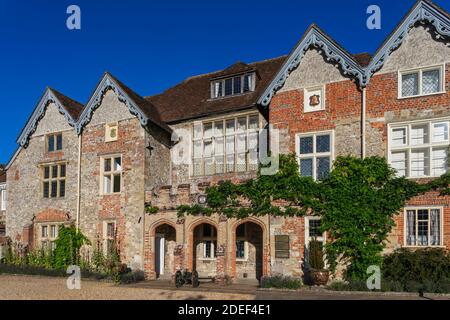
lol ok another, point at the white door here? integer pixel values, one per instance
(159, 253)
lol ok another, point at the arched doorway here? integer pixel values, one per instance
(204, 253)
(249, 251)
(165, 242)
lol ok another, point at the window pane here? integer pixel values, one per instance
(219, 164)
(247, 82)
(419, 134)
(241, 142)
(107, 165)
(314, 228)
(410, 84)
(430, 81)
(207, 252)
(440, 132)
(230, 163)
(54, 191)
(399, 162)
(218, 89)
(398, 137)
(207, 230)
(59, 142)
(439, 161)
(110, 230)
(306, 145)
(422, 233)
(242, 124)
(219, 146)
(197, 167)
(46, 172)
(62, 188)
(44, 231)
(253, 161)
(230, 145)
(253, 122)
(197, 131)
(53, 233)
(435, 227)
(411, 227)
(306, 168)
(197, 149)
(419, 163)
(240, 230)
(240, 249)
(241, 163)
(62, 170)
(118, 164)
(209, 166)
(323, 167)
(253, 141)
(323, 143)
(207, 130)
(54, 171)
(51, 143)
(107, 184)
(207, 148)
(218, 128)
(46, 190)
(116, 183)
(237, 85)
(228, 87)
(422, 214)
(230, 126)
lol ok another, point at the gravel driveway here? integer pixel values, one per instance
(18, 287)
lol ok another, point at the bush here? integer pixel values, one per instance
(421, 270)
(132, 277)
(281, 282)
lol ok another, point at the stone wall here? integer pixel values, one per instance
(25, 196)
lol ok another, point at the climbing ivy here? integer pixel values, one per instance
(68, 244)
(357, 203)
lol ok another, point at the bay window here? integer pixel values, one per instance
(419, 149)
(226, 145)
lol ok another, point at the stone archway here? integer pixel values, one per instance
(248, 255)
(164, 258)
(204, 246)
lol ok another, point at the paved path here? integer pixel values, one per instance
(19, 287)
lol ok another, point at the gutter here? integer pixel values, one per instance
(363, 124)
(78, 184)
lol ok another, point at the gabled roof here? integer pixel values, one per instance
(192, 97)
(360, 67)
(69, 108)
(137, 105)
(313, 37)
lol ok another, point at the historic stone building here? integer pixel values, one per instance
(100, 165)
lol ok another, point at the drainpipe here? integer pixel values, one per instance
(79, 183)
(363, 124)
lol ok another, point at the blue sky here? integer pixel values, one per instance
(152, 45)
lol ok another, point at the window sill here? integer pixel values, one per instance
(222, 174)
(421, 95)
(207, 259)
(423, 247)
(110, 194)
(311, 111)
(241, 260)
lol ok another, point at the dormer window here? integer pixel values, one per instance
(233, 86)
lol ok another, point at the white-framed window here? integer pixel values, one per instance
(315, 154)
(232, 86)
(111, 174)
(48, 233)
(3, 199)
(54, 142)
(312, 231)
(314, 99)
(419, 82)
(423, 226)
(226, 145)
(53, 177)
(111, 132)
(109, 236)
(241, 242)
(209, 241)
(419, 149)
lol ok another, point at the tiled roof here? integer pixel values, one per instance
(73, 107)
(192, 97)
